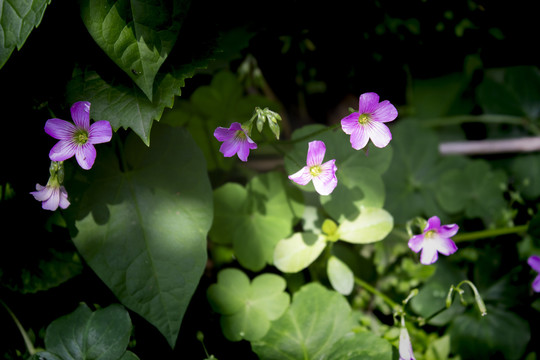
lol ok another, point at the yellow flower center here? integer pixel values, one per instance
(363, 119)
(315, 170)
(81, 136)
(240, 135)
(430, 234)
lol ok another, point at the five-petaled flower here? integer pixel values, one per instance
(434, 239)
(78, 139)
(235, 140)
(534, 262)
(323, 175)
(369, 121)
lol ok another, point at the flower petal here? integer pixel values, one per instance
(230, 147)
(80, 113)
(100, 132)
(224, 134)
(433, 223)
(64, 203)
(379, 133)
(405, 346)
(359, 137)
(60, 129)
(536, 284)
(429, 253)
(315, 154)
(534, 262)
(368, 103)
(86, 155)
(445, 246)
(42, 193)
(384, 112)
(327, 181)
(350, 123)
(52, 202)
(243, 150)
(416, 243)
(62, 150)
(447, 231)
(302, 176)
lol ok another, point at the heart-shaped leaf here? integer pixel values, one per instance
(145, 235)
(83, 334)
(371, 225)
(137, 35)
(247, 308)
(297, 252)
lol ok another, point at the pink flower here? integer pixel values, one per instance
(235, 141)
(52, 196)
(534, 262)
(323, 175)
(435, 239)
(368, 122)
(405, 346)
(78, 139)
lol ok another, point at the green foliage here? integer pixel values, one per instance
(255, 217)
(83, 334)
(142, 228)
(247, 308)
(137, 36)
(17, 20)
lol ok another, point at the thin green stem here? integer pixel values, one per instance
(482, 234)
(395, 306)
(24, 334)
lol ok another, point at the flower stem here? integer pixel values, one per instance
(26, 338)
(482, 234)
(395, 306)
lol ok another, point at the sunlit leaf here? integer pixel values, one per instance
(315, 321)
(137, 35)
(371, 225)
(17, 20)
(297, 252)
(340, 276)
(247, 308)
(143, 229)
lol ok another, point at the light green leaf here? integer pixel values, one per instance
(315, 321)
(361, 346)
(137, 35)
(371, 225)
(359, 175)
(297, 252)
(17, 20)
(340, 276)
(253, 219)
(145, 235)
(83, 334)
(247, 308)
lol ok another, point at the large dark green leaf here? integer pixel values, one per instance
(17, 19)
(83, 334)
(137, 35)
(145, 235)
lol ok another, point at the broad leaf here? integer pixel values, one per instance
(83, 334)
(297, 252)
(17, 19)
(315, 321)
(340, 276)
(145, 235)
(247, 308)
(254, 218)
(361, 346)
(137, 35)
(371, 225)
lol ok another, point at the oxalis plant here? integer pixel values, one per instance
(221, 224)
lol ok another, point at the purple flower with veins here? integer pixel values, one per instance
(534, 262)
(405, 346)
(323, 175)
(235, 141)
(435, 239)
(52, 196)
(78, 139)
(368, 122)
